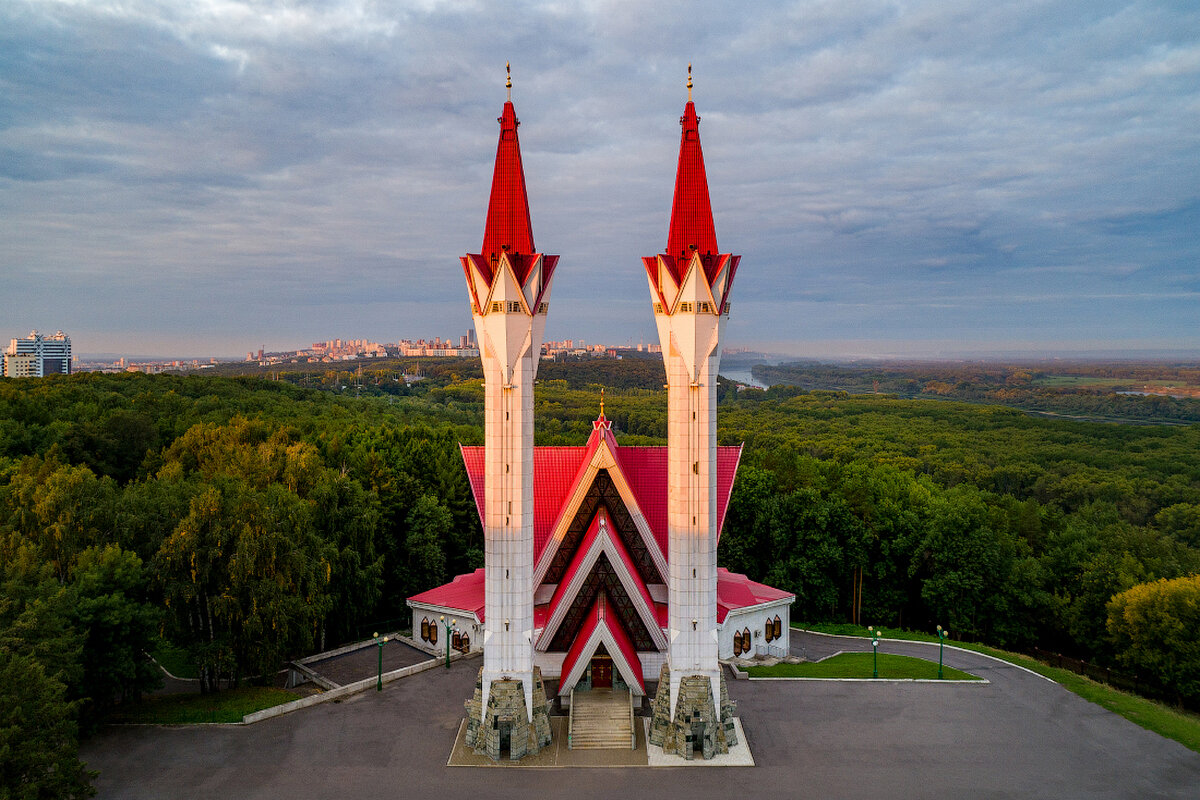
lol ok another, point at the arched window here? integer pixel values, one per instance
(778, 627)
(769, 631)
(425, 629)
(456, 641)
(737, 643)
(745, 640)
(466, 643)
(433, 633)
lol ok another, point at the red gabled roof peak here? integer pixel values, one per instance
(691, 213)
(508, 226)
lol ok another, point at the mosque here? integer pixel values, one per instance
(600, 571)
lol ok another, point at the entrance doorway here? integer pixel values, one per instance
(602, 672)
(505, 740)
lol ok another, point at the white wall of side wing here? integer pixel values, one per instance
(754, 619)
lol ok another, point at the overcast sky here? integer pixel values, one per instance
(208, 176)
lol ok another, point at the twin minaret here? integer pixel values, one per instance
(689, 288)
(509, 286)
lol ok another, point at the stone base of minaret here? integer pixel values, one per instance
(505, 723)
(695, 726)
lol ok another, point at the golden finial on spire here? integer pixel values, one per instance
(508, 79)
(689, 83)
(602, 401)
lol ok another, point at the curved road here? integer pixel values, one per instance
(1021, 736)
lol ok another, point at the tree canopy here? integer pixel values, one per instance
(254, 521)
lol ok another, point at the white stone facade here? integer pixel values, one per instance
(463, 623)
(754, 619)
(689, 327)
(509, 326)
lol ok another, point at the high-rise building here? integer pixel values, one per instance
(20, 365)
(36, 356)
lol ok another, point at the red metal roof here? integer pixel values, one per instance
(623, 563)
(691, 212)
(464, 593)
(556, 470)
(590, 623)
(508, 230)
(625, 645)
(508, 224)
(692, 230)
(599, 618)
(735, 591)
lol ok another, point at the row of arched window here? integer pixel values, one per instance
(741, 641)
(429, 632)
(773, 629)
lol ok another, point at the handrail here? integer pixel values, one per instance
(632, 730)
(571, 718)
(770, 650)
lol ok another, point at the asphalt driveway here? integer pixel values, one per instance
(1018, 736)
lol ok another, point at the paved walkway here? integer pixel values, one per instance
(364, 662)
(1021, 736)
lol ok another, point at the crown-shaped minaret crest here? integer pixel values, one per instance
(508, 276)
(692, 276)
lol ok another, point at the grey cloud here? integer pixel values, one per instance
(867, 160)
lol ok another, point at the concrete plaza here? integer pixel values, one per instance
(1018, 736)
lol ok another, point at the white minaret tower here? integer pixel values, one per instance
(509, 287)
(689, 287)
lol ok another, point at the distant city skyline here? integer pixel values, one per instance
(355, 348)
(935, 178)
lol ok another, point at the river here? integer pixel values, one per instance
(741, 376)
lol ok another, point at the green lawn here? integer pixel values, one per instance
(1182, 726)
(229, 705)
(860, 665)
(847, 629)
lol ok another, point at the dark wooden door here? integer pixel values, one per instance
(601, 672)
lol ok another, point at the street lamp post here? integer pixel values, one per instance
(875, 651)
(941, 643)
(448, 626)
(381, 643)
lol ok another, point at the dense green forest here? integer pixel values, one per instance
(1089, 390)
(253, 520)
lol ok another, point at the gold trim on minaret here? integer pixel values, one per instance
(689, 83)
(602, 401)
(508, 79)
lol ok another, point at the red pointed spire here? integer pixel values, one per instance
(508, 226)
(508, 234)
(692, 231)
(691, 212)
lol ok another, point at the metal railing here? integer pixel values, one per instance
(632, 730)
(1136, 684)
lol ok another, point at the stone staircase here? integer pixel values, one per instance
(601, 720)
